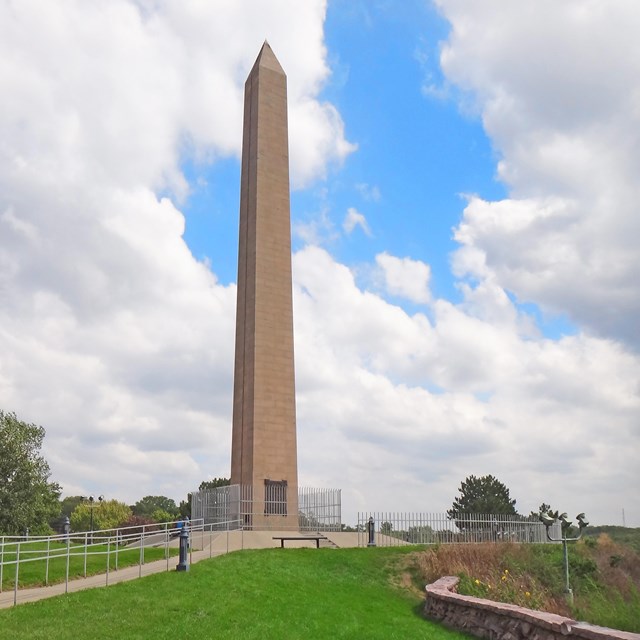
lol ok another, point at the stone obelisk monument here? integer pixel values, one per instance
(263, 454)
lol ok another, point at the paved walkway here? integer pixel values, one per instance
(204, 546)
(100, 580)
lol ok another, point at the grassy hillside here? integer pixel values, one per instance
(338, 593)
(604, 575)
(622, 535)
(271, 594)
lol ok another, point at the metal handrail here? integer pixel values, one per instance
(15, 551)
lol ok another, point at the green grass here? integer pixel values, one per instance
(610, 609)
(604, 576)
(33, 573)
(622, 535)
(269, 594)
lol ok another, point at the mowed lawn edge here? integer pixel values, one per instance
(265, 594)
(34, 573)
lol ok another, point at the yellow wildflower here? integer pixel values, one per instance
(526, 593)
(504, 578)
(477, 581)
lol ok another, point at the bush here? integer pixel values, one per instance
(135, 525)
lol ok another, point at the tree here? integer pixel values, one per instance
(543, 508)
(150, 504)
(135, 525)
(68, 505)
(422, 534)
(184, 509)
(108, 514)
(483, 495)
(207, 485)
(163, 516)
(27, 499)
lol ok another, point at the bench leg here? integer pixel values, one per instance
(282, 544)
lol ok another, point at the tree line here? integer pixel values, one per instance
(30, 501)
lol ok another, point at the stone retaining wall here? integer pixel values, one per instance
(499, 621)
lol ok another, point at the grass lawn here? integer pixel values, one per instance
(33, 573)
(269, 594)
(605, 577)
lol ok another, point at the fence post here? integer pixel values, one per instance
(108, 558)
(1, 562)
(46, 571)
(86, 540)
(141, 561)
(190, 539)
(166, 546)
(66, 575)
(15, 585)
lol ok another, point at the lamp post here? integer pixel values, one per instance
(92, 506)
(548, 519)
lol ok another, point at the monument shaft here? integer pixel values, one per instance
(264, 454)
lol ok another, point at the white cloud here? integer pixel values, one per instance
(405, 277)
(317, 230)
(557, 89)
(412, 406)
(113, 337)
(355, 219)
(159, 79)
(370, 193)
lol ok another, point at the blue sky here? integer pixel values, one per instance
(420, 154)
(419, 151)
(464, 243)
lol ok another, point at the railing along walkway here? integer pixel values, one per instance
(204, 543)
(132, 572)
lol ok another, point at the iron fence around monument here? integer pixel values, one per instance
(397, 529)
(318, 509)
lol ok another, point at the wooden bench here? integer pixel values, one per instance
(316, 538)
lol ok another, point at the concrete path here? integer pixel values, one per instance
(204, 546)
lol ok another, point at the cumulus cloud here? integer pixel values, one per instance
(412, 404)
(557, 89)
(405, 277)
(113, 337)
(355, 219)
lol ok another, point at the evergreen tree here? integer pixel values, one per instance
(483, 495)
